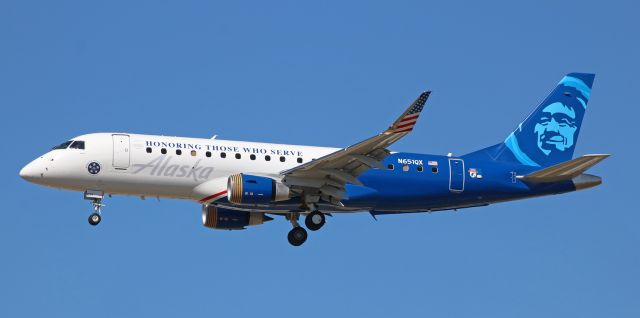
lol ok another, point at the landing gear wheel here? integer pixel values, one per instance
(297, 236)
(94, 219)
(314, 220)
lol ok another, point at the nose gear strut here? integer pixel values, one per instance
(96, 200)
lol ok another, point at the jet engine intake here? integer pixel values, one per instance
(248, 189)
(224, 219)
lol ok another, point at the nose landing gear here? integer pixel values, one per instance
(96, 200)
(94, 219)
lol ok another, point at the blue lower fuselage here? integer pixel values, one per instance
(417, 182)
(410, 182)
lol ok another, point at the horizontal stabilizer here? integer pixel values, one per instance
(564, 171)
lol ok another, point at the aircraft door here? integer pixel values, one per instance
(121, 151)
(456, 175)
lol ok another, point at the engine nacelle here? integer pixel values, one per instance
(248, 189)
(224, 219)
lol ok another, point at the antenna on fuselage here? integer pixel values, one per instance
(214, 137)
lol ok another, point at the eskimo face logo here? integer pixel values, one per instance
(93, 167)
(548, 136)
(556, 128)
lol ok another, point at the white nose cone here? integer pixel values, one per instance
(30, 172)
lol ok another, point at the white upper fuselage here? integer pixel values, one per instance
(161, 166)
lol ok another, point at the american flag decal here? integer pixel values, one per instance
(409, 118)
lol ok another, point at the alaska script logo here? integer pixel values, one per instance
(161, 167)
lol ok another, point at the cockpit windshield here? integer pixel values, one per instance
(63, 145)
(71, 144)
(78, 144)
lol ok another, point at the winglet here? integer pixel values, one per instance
(408, 119)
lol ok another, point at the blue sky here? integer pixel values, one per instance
(328, 74)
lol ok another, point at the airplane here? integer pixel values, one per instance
(241, 184)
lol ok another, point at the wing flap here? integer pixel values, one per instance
(564, 171)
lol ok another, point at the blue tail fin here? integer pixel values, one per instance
(549, 135)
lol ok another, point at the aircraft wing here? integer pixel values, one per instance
(564, 171)
(326, 177)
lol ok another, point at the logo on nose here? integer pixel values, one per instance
(93, 167)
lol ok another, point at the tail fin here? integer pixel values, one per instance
(549, 135)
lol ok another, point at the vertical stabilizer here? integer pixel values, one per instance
(548, 136)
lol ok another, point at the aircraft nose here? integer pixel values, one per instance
(30, 172)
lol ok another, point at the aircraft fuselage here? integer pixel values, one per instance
(195, 169)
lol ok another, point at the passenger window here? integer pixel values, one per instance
(299, 160)
(267, 158)
(223, 155)
(282, 158)
(149, 150)
(252, 157)
(434, 169)
(78, 144)
(208, 154)
(238, 156)
(420, 168)
(178, 152)
(193, 153)
(405, 168)
(390, 166)
(163, 151)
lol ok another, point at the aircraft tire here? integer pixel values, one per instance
(315, 220)
(94, 219)
(297, 236)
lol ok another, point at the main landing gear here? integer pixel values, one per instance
(314, 220)
(96, 200)
(298, 235)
